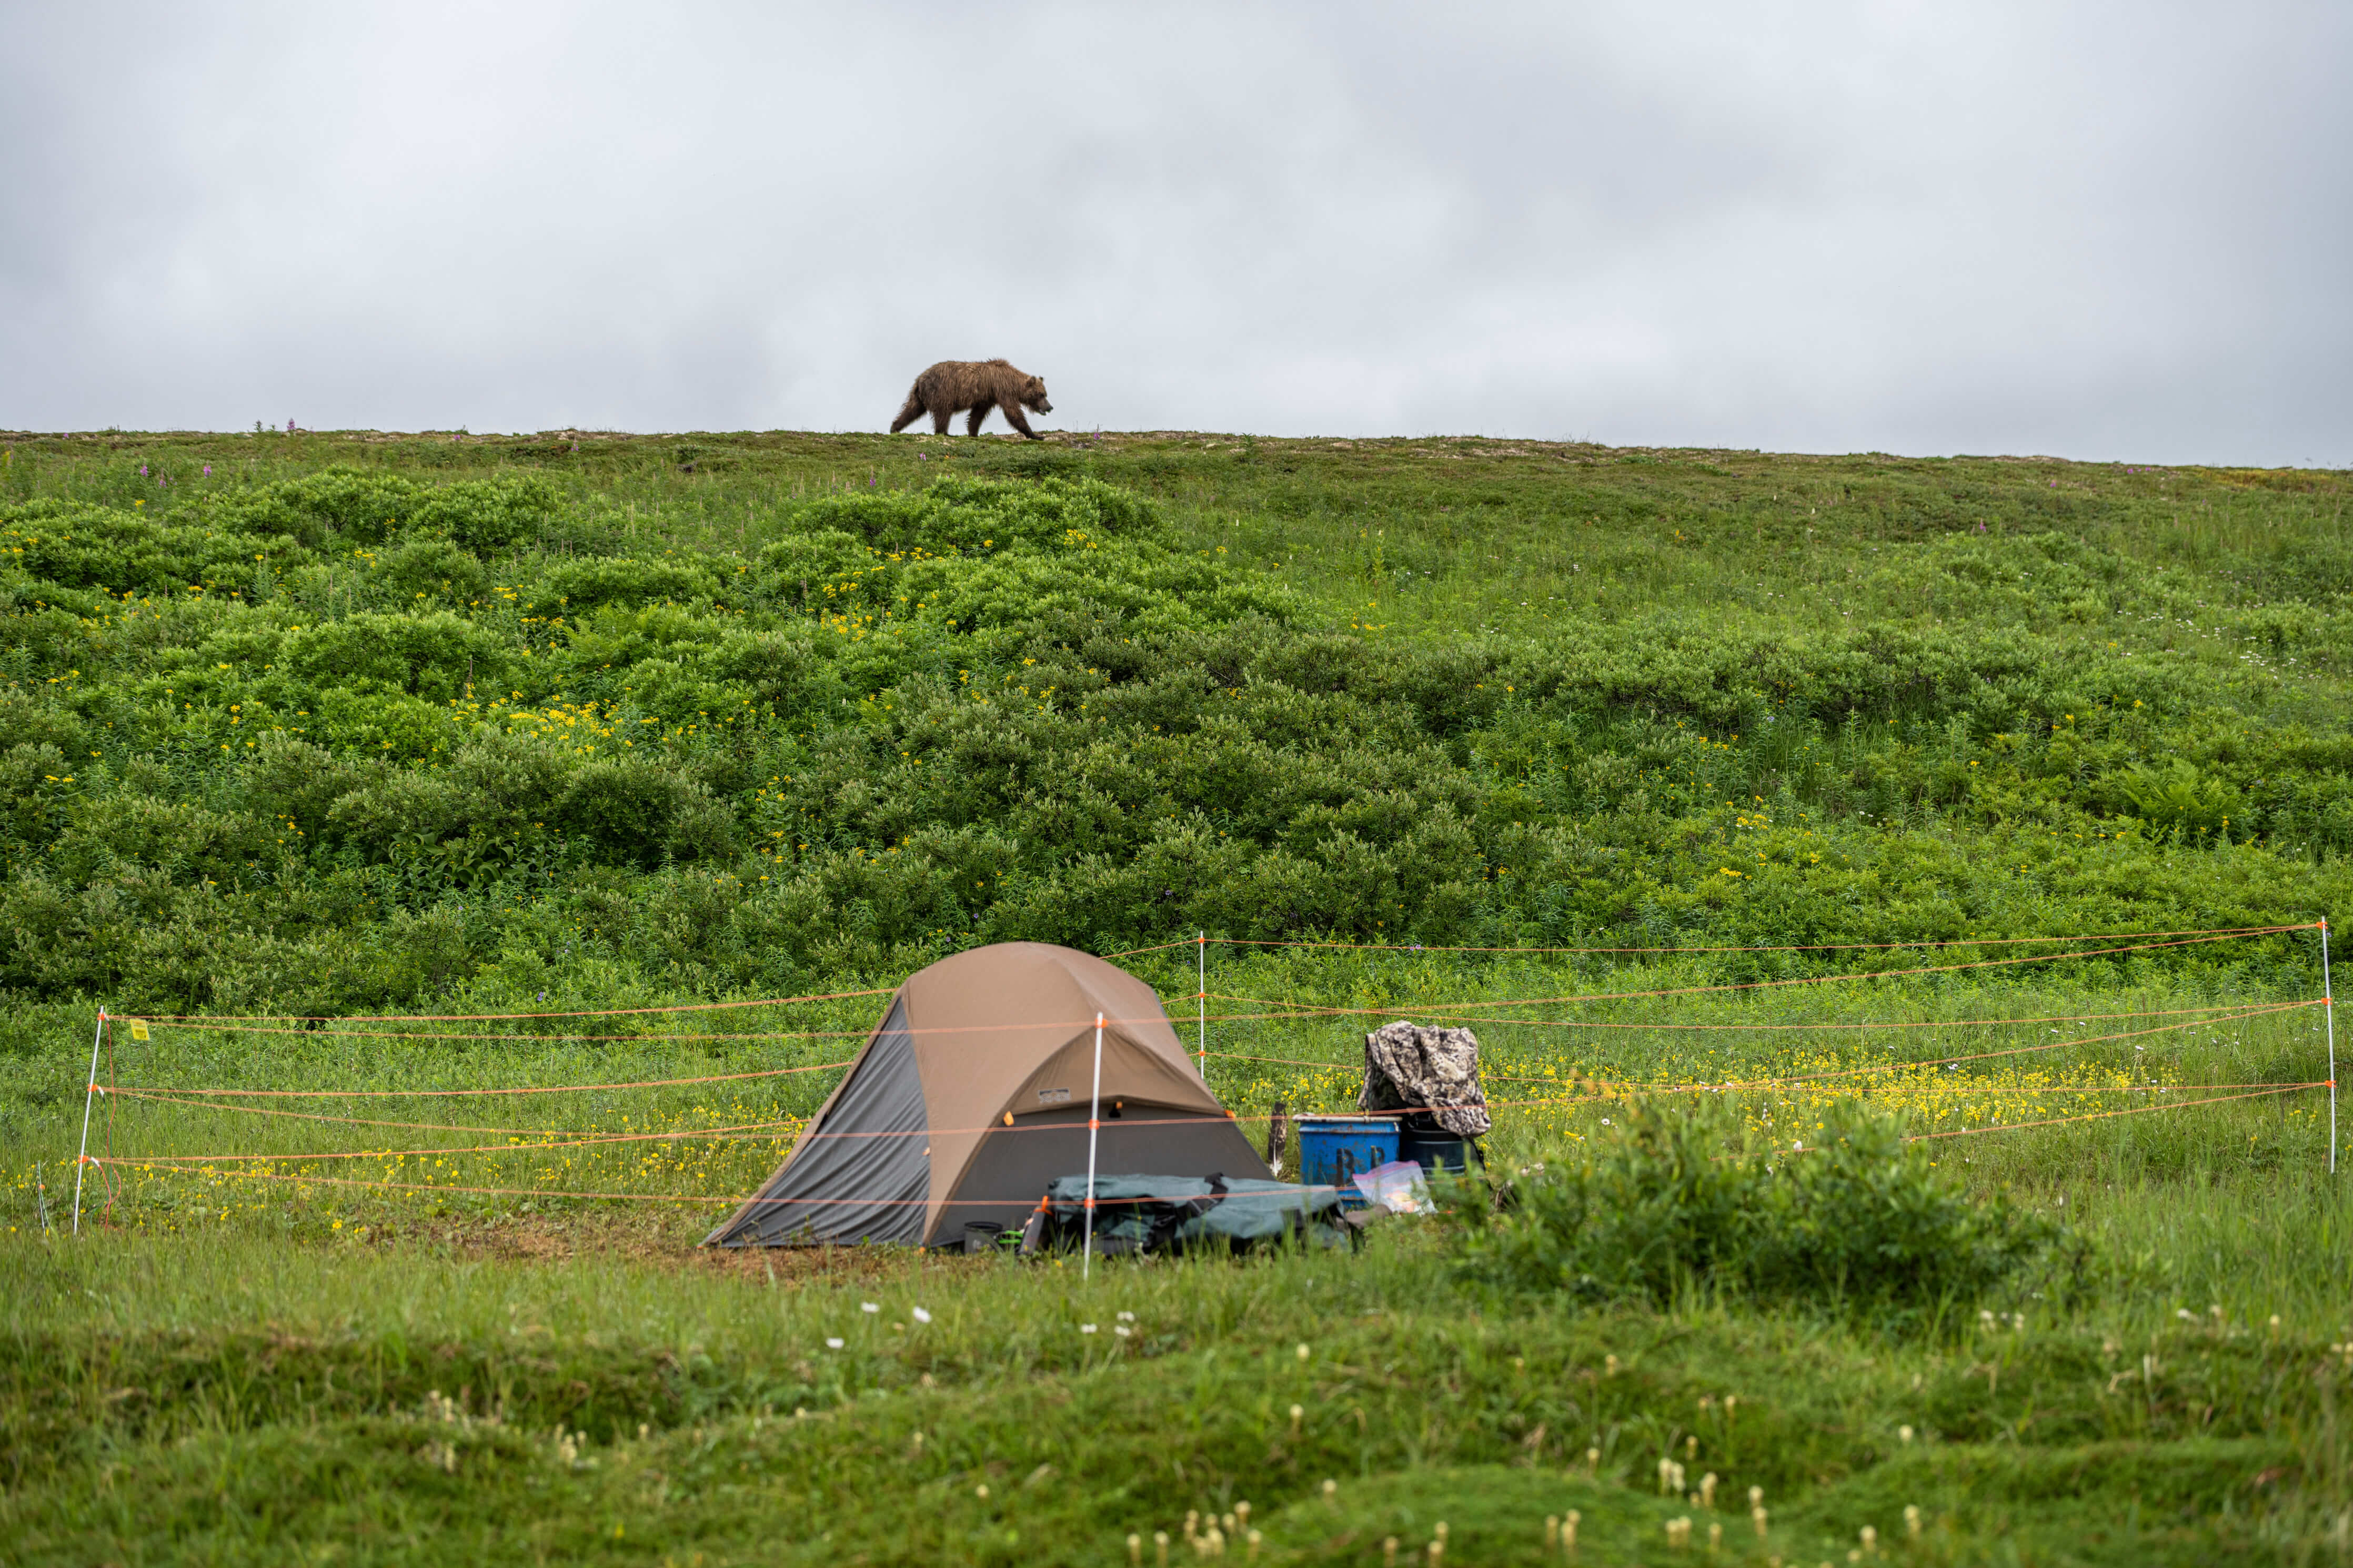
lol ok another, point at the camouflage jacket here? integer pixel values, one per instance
(1408, 1068)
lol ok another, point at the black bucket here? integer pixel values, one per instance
(981, 1236)
(1439, 1150)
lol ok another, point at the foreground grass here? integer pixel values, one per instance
(238, 1397)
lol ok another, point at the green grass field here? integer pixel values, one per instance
(351, 725)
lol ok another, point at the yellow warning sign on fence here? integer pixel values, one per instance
(138, 1029)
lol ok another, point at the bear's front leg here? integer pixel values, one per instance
(1013, 418)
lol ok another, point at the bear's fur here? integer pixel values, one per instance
(953, 385)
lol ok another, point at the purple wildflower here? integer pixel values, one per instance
(142, 470)
(209, 471)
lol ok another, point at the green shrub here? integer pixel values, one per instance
(1666, 1201)
(675, 693)
(434, 568)
(814, 564)
(77, 546)
(624, 808)
(957, 515)
(33, 787)
(577, 586)
(362, 507)
(487, 514)
(365, 507)
(388, 725)
(436, 656)
(617, 637)
(2177, 797)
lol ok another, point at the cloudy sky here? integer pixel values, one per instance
(2112, 231)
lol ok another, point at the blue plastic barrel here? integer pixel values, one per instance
(1335, 1150)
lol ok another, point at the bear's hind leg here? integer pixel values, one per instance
(1013, 418)
(971, 422)
(940, 419)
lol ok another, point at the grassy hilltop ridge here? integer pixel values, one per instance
(357, 723)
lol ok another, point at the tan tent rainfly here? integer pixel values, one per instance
(972, 1094)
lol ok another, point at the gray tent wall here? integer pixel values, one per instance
(864, 1174)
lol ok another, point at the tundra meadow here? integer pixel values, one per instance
(1888, 893)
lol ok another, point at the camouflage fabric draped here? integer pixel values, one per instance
(1408, 1068)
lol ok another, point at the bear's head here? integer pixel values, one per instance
(1033, 395)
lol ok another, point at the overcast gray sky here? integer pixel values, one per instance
(2096, 231)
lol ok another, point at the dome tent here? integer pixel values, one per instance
(972, 1095)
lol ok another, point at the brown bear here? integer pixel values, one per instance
(953, 385)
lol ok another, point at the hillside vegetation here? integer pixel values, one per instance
(352, 724)
(1969, 1253)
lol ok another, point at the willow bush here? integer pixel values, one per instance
(1657, 1206)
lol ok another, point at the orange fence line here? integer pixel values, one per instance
(2205, 1016)
(1895, 1024)
(1639, 1090)
(1156, 947)
(1455, 1009)
(1794, 947)
(652, 1197)
(1611, 1093)
(218, 1028)
(1464, 1011)
(353, 1121)
(1088, 1023)
(1620, 1089)
(2210, 933)
(2103, 1115)
(494, 1018)
(130, 1161)
(571, 1138)
(150, 1165)
(1213, 1018)
(582, 1143)
(168, 1164)
(474, 1093)
(781, 1034)
(2049, 1044)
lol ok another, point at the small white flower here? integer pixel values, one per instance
(832, 1344)
(921, 1316)
(868, 1307)
(1127, 1317)
(1086, 1328)
(1122, 1329)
